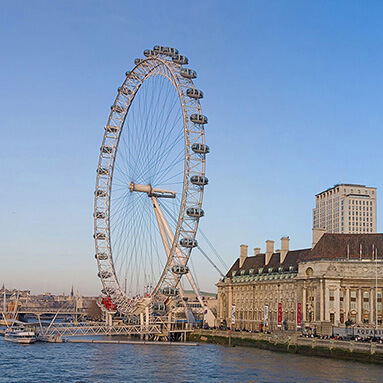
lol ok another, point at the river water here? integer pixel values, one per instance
(84, 362)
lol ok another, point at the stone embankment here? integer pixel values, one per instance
(291, 342)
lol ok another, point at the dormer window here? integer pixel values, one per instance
(233, 273)
(243, 272)
(260, 270)
(280, 269)
(291, 268)
(270, 270)
(251, 271)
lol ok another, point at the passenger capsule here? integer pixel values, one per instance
(107, 291)
(198, 119)
(149, 53)
(100, 193)
(199, 180)
(180, 270)
(127, 73)
(159, 49)
(111, 129)
(189, 243)
(107, 149)
(195, 212)
(168, 51)
(194, 93)
(104, 274)
(99, 214)
(117, 108)
(102, 171)
(99, 236)
(179, 59)
(124, 90)
(200, 148)
(170, 291)
(188, 73)
(159, 306)
(138, 61)
(101, 256)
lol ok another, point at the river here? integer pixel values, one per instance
(84, 362)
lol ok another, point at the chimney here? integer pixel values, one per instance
(243, 255)
(257, 250)
(284, 248)
(317, 234)
(269, 251)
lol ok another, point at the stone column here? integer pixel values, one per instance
(230, 303)
(304, 308)
(337, 306)
(359, 317)
(346, 303)
(321, 298)
(327, 304)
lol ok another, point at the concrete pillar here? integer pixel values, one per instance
(142, 324)
(147, 315)
(359, 317)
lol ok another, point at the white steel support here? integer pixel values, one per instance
(165, 240)
(179, 254)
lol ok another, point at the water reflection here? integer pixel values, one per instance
(149, 363)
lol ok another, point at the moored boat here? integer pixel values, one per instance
(20, 336)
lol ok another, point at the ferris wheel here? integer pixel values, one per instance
(150, 185)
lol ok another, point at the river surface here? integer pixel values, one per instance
(84, 362)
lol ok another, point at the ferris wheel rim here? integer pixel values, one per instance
(141, 69)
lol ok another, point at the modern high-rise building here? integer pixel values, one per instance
(346, 208)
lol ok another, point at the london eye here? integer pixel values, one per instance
(150, 185)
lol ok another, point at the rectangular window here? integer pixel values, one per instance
(341, 299)
(366, 301)
(353, 300)
(332, 298)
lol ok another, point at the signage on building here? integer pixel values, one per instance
(279, 314)
(266, 315)
(299, 315)
(366, 332)
(233, 314)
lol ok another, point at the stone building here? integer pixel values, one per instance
(346, 208)
(339, 279)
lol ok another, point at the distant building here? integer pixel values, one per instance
(346, 208)
(339, 280)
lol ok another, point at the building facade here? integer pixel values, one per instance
(337, 282)
(346, 208)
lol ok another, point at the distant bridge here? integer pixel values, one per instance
(38, 311)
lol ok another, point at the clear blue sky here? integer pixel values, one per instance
(293, 92)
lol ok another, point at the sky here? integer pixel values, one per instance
(293, 93)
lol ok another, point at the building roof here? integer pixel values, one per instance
(292, 258)
(353, 185)
(330, 246)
